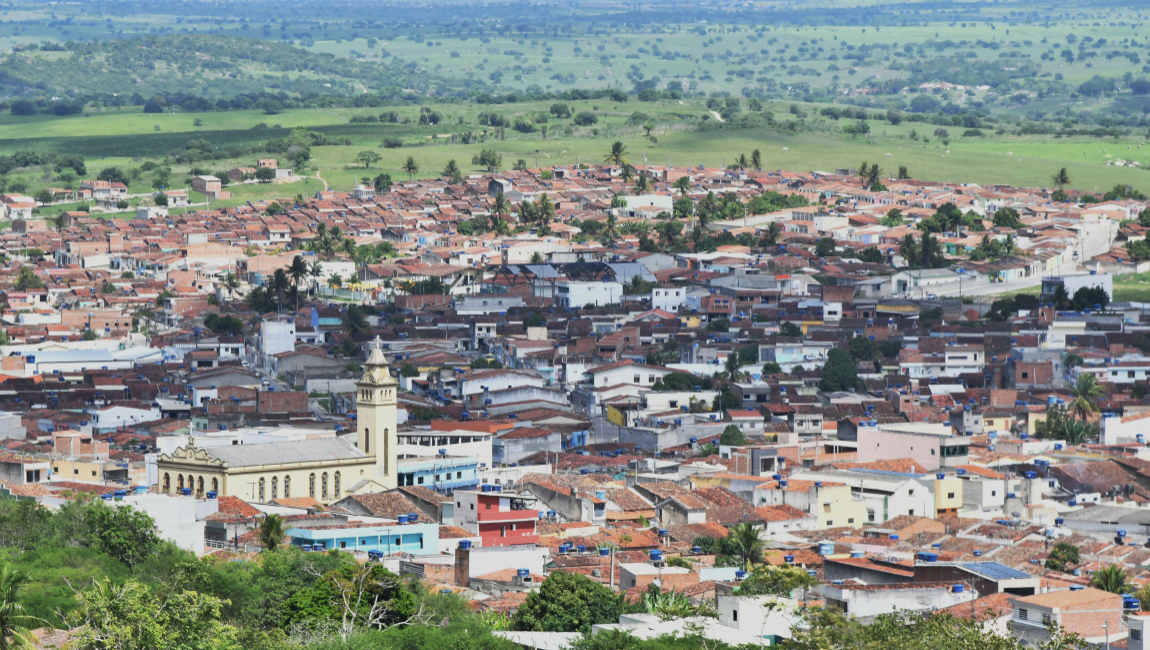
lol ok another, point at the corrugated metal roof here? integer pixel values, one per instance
(274, 453)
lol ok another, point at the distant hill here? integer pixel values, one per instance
(207, 66)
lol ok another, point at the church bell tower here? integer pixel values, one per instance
(376, 404)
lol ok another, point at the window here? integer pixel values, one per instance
(1025, 375)
(459, 475)
(367, 441)
(337, 477)
(1023, 615)
(323, 485)
(311, 485)
(1136, 635)
(851, 520)
(1046, 619)
(180, 481)
(735, 615)
(503, 531)
(950, 495)
(910, 512)
(931, 452)
(830, 522)
(488, 506)
(261, 490)
(870, 516)
(994, 493)
(275, 487)
(419, 481)
(287, 487)
(167, 482)
(636, 379)
(910, 492)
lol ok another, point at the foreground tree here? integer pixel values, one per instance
(568, 602)
(16, 624)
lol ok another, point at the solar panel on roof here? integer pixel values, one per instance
(995, 571)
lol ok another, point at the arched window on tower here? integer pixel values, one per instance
(200, 485)
(167, 482)
(323, 486)
(275, 488)
(180, 481)
(287, 487)
(336, 486)
(216, 486)
(311, 485)
(261, 490)
(367, 441)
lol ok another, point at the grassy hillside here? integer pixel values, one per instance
(209, 66)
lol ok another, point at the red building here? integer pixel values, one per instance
(499, 518)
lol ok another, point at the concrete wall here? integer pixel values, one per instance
(178, 519)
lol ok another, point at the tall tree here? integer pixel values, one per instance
(452, 172)
(839, 372)
(298, 273)
(1086, 393)
(1061, 178)
(617, 155)
(682, 185)
(756, 159)
(410, 167)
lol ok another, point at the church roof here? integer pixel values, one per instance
(275, 453)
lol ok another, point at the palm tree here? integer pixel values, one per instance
(411, 167)
(741, 161)
(627, 173)
(1112, 578)
(537, 258)
(745, 538)
(298, 273)
(929, 249)
(500, 207)
(272, 531)
(682, 185)
(232, 282)
(354, 321)
(909, 250)
(618, 154)
(756, 159)
(16, 624)
(280, 285)
(1086, 394)
(1061, 178)
(772, 233)
(499, 226)
(641, 184)
(545, 208)
(316, 272)
(611, 229)
(452, 171)
(731, 370)
(1008, 245)
(349, 248)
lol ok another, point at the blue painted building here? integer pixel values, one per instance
(416, 539)
(440, 473)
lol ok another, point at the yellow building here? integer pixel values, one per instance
(326, 469)
(947, 495)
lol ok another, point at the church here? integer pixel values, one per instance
(326, 469)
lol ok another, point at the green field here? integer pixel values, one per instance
(680, 137)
